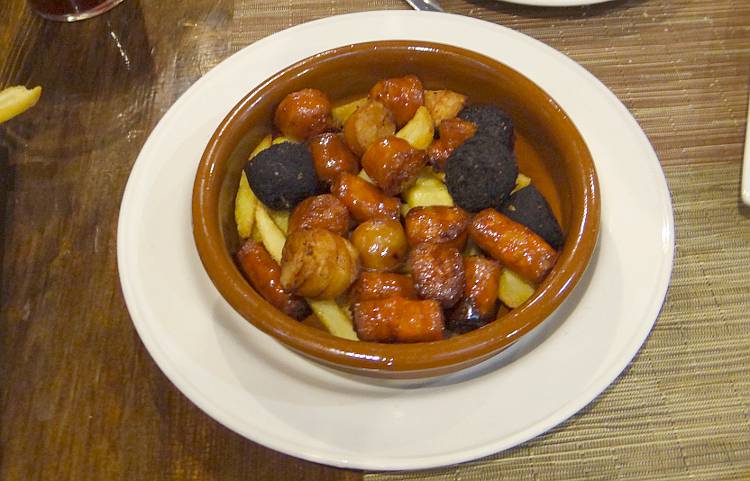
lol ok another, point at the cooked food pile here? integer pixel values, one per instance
(400, 216)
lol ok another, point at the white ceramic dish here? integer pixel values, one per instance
(256, 387)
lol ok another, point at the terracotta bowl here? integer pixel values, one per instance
(549, 149)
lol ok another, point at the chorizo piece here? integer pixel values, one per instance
(514, 245)
(402, 96)
(478, 306)
(438, 273)
(398, 320)
(331, 156)
(453, 132)
(303, 114)
(364, 200)
(382, 285)
(438, 224)
(393, 163)
(264, 275)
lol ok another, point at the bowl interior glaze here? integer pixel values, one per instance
(549, 150)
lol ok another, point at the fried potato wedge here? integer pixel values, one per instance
(427, 190)
(514, 290)
(419, 131)
(335, 318)
(244, 208)
(271, 235)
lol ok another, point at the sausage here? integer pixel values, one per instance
(438, 273)
(264, 275)
(398, 320)
(364, 200)
(317, 263)
(367, 124)
(478, 306)
(437, 224)
(514, 245)
(325, 211)
(453, 132)
(393, 163)
(381, 285)
(381, 244)
(331, 156)
(402, 96)
(303, 113)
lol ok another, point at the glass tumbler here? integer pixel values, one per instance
(71, 10)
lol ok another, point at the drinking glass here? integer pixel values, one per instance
(71, 10)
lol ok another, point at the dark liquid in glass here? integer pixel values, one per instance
(55, 9)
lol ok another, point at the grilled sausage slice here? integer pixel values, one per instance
(264, 275)
(382, 285)
(398, 320)
(331, 156)
(513, 244)
(478, 306)
(303, 114)
(438, 273)
(393, 163)
(453, 132)
(402, 96)
(437, 224)
(364, 200)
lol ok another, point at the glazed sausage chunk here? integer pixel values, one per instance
(303, 114)
(438, 273)
(382, 285)
(437, 224)
(478, 306)
(317, 263)
(453, 132)
(393, 163)
(402, 96)
(399, 320)
(513, 244)
(364, 200)
(331, 156)
(325, 211)
(264, 275)
(366, 125)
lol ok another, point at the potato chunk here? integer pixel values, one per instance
(443, 104)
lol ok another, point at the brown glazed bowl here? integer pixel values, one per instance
(549, 149)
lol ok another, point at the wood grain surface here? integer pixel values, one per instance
(80, 398)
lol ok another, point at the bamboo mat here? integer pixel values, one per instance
(682, 409)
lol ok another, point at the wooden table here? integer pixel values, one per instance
(80, 398)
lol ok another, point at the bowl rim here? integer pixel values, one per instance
(371, 358)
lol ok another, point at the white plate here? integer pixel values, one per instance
(256, 387)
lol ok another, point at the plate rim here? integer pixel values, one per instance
(563, 412)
